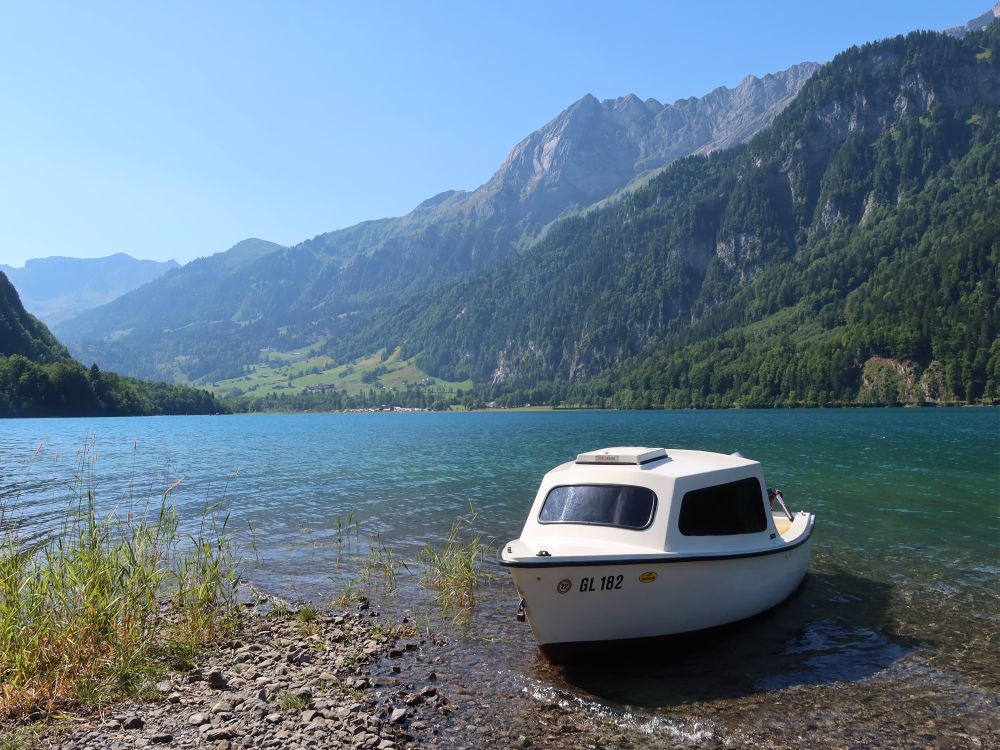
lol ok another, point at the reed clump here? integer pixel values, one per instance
(455, 571)
(96, 610)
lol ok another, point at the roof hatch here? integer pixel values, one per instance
(622, 455)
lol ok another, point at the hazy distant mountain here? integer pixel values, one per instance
(198, 325)
(56, 288)
(180, 307)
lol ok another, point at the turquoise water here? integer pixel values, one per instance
(902, 596)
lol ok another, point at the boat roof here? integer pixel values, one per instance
(672, 462)
(622, 455)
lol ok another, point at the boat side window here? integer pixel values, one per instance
(731, 508)
(599, 504)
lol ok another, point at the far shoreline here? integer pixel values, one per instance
(538, 409)
(533, 409)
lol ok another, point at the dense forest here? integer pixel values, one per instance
(847, 255)
(38, 378)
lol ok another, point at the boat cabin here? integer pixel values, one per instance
(640, 501)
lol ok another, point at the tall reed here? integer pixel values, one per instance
(106, 602)
(455, 570)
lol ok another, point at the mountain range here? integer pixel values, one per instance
(826, 238)
(316, 291)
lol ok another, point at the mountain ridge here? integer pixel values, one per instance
(316, 290)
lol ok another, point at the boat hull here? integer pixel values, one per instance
(630, 599)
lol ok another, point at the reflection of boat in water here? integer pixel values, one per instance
(628, 543)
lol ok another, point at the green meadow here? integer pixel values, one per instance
(294, 371)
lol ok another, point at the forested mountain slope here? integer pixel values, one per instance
(38, 378)
(208, 319)
(22, 333)
(172, 323)
(847, 254)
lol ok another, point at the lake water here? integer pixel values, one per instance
(892, 640)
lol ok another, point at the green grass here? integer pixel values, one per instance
(289, 702)
(26, 737)
(306, 614)
(96, 611)
(291, 372)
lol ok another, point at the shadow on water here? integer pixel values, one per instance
(833, 629)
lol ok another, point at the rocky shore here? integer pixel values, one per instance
(325, 680)
(357, 680)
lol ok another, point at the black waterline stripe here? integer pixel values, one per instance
(556, 563)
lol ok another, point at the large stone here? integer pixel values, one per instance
(133, 722)
(216, 680)
(222, 733)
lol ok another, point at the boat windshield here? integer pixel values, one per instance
(622, 506)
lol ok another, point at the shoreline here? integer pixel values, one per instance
(359, 678)
(575, 409)
(543, 409)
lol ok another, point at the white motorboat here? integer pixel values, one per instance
(629, 543)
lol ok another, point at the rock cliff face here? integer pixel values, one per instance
(594, 149)
(976, 24)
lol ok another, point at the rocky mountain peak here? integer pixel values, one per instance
(594, 148)
(977, 23)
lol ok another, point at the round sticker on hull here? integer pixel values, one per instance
(648, 577)
(564, 585)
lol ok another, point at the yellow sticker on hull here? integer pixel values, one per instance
(648, 577)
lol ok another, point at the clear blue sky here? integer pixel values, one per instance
(176, 129)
